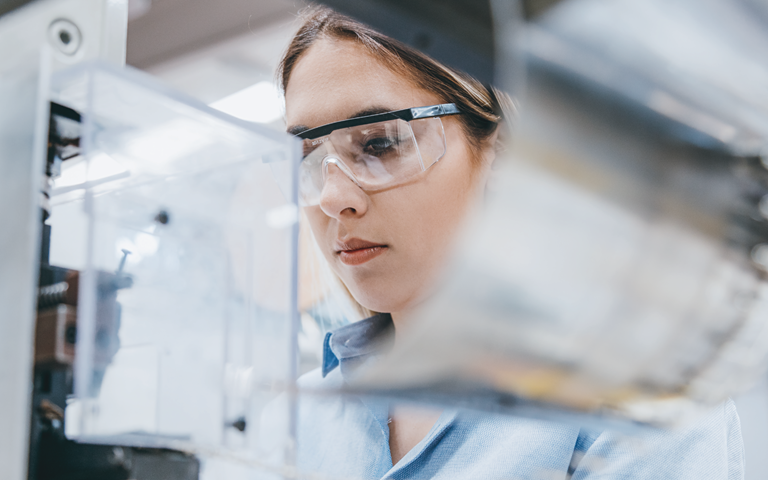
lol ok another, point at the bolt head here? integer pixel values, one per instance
(65, 37)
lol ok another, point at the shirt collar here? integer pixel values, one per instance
(349, 346)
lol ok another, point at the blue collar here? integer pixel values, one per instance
(349, 346)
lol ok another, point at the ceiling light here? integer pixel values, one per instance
(258, 103)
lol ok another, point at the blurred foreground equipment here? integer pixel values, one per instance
(618, 268)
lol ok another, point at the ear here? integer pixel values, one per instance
(490, 154)
(491, 149)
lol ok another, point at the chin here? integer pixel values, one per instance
(377, 299)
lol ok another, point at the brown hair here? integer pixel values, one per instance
(482, 107)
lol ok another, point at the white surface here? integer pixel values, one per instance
(18, 252)
(23, 126)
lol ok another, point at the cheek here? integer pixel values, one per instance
(427, 214)
(451, 187)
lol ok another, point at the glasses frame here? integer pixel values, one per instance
(406, 114)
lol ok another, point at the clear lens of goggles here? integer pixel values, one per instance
(374, 156)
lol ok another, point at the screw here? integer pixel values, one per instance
(162, 217)
(122, 260)
(239, 424)
(64, 36)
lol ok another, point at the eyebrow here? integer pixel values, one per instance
(370, 111)
(297, 129)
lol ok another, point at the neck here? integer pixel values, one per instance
(399, 319)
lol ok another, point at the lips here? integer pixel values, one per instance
(356, 251)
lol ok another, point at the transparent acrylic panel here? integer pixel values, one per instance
(185, 243)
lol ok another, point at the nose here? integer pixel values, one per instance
(341, 196)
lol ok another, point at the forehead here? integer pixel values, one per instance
(335, 79)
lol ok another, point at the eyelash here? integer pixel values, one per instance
(372, 143)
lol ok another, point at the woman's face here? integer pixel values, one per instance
(408, 229)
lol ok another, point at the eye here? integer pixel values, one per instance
(381, 145)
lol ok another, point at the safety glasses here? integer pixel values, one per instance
(375, 152)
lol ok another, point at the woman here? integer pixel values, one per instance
(396, 148)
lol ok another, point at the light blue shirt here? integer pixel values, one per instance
(348, 437)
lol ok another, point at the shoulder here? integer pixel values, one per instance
(710, 448)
